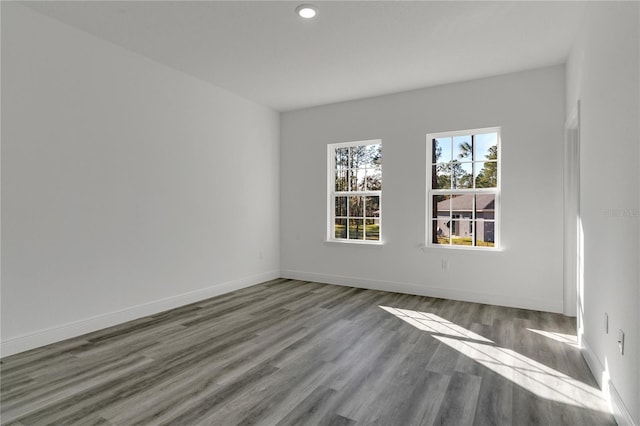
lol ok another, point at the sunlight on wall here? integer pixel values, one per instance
(580, 318)
(606, 389)
(531, 375)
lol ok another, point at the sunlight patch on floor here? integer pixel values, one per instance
(525, 372)
(433, 323)
(569, 339)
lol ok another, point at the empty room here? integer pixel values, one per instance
(320, 213)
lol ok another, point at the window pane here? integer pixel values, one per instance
(340, 228)
(341, 180)
(361, 177)
(355, 206)
(441, 207)
(462, 175)
(461, 232)
(441, 150)
(341, 206)
(374, 179)
(373, 156)
(440, 233)
(356, 229)
(485, 147)
(462, 206)
(485, 233)
(372, 229)
(485, 206)
(486, 174)
(353, 180)
(372, 206)
(342, 158)
(462, 149)
(358, 156)
(441, 176)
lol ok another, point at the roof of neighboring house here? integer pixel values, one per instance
(465, 202)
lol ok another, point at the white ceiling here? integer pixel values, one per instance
(263, 52)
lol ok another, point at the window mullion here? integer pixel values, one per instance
(473, 222)
(348, 214)
(364, 217)
(450, 221)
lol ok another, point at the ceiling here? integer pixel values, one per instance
(262, 51)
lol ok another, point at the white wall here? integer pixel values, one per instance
(603, 73)
(127, 187)
(527, 273)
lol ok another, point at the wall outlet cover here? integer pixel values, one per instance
(621, 342)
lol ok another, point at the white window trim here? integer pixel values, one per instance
(430, 192)
(331, 194)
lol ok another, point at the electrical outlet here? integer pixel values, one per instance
(621, 342)
(606, 323)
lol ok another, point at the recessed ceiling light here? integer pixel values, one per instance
(306, 11)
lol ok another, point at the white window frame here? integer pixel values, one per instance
(431, 192)
(332, 194)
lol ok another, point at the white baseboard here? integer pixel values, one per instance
(616, 404)
(65, 331)
(424, 290)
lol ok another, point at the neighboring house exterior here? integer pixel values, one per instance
(455, 217)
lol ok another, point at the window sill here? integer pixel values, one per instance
(463, 250)
(353, 244)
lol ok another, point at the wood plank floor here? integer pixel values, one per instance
(299, 353)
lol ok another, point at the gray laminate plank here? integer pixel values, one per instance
(528, 407)
(273, 391)
(313, 408)
(27, 362)
(299, 352)
(394, 400)
(55, 395)
(202, 408)
(433, 388)
(282, 400)
(366, 385)
(459, 403)
(495, 400)
(444, 360)
(472, 347)
(157, 403)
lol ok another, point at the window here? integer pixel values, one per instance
(355, 192)
(463, 193)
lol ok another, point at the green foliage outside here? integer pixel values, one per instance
(452, 174)
(465, 241)
(356, 232)
(488, 176)
(358, 168)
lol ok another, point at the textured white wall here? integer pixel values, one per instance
(528, 272)
(124, 183)
(603, 73)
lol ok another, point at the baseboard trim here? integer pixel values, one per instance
(58, 333)
(616, 404)
(424, 290)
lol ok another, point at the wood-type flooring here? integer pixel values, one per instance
(290, 352)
